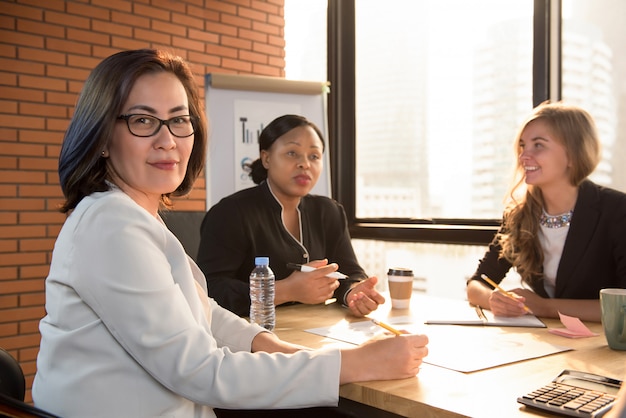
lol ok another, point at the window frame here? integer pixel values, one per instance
(342, 127)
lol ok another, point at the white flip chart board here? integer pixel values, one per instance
(238, 107)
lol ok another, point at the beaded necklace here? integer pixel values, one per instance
(556, 221)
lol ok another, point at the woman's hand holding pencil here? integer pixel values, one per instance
(504, 292)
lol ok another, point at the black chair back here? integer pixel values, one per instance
(12, 382)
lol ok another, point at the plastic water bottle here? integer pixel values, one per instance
(262, 281)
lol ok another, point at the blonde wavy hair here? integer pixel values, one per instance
(575, 129)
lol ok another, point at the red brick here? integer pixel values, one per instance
(8, 301)
(60, 98)
(17, 10)
(39, 28)
(42, 83)
(67, 19)
(29, 327)
(126, 43)
(152, 12)
(237, 65)
(119, 5)
(7, 162)
(40, 137)
(253, 57)
(8, 273)
(203, 36)
(236, 43)
(8, 245)
(111, 28)
(221, 6)
(42, 110)
(17, 121)
(130, 20)
(87, 11)
(21, 39)
(37, 218)
(20, 286)
(88, 37)
(7, 106)
(253, 35)
(57, 124)
(266, 70)
(15, 259)
(236, 21)
(69, 73)
(24, 149)
(24, 177)
(8, 190)
(9, 51)
(8, 330)
(188, 21)
(221, 29)
(72, 47)
(21, 204)
(187, 43)
(28, 340)
(253, 14)
(34, 272)
(21, 93)
(23, 67)
(268, 50)
(271, 7)
(39, 191)
(58, 5)
(32, 299)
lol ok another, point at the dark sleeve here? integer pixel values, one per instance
(340, 250)
(618, 238)
(222, 257)
(491, 264)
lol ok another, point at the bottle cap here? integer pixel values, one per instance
(400, 271)
(262, 261)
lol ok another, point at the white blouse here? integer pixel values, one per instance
(127, 334)
(552, 242)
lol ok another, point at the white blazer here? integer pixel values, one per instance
(128, 333)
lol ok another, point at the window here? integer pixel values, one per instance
(593, 74)
(305, 40)
(426, 97)
(441, 86)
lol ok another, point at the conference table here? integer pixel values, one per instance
(439, 391)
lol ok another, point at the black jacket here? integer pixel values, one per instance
(594, 254)
(248, 224)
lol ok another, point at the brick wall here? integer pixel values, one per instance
(47, 49)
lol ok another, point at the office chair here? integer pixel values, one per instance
(12, 382)
(13, 389)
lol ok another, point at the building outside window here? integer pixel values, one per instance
(441, 88)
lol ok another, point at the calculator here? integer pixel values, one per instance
(575, 394)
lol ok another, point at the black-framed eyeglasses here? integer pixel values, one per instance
(147, 125)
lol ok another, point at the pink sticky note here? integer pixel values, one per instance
(574, 328)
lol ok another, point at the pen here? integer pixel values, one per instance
(387, 327)
(307, 269)
(507, 294)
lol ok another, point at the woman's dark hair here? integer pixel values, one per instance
(82, 170)
(277, 128)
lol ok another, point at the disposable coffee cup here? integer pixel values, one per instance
(613, 306)
(400, 282)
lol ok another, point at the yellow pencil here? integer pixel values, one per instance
(500, 289)
(387, 327)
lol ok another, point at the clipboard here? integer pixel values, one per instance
(467, 314)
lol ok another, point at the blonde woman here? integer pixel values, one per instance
(565, 235)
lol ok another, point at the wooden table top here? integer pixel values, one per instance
(442, 392)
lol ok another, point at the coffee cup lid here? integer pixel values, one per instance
(400, 271)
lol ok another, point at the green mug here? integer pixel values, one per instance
(613, 306)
